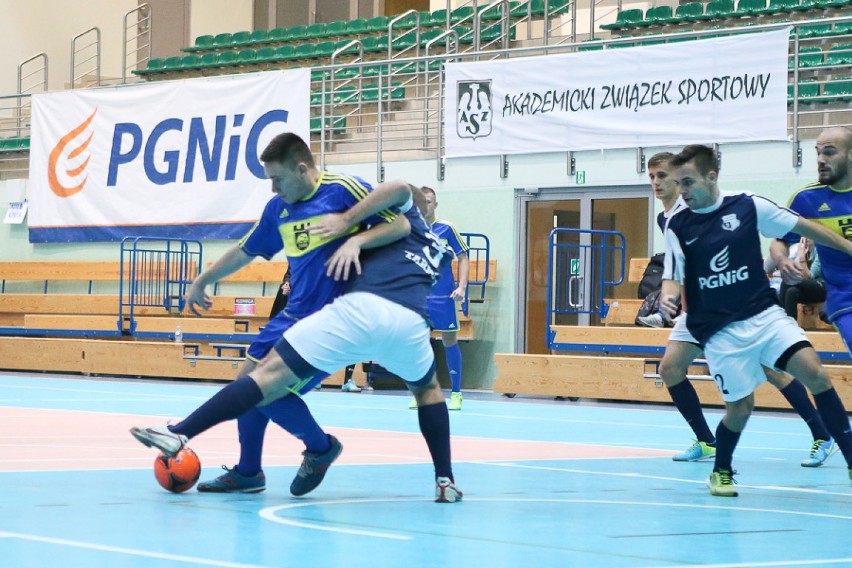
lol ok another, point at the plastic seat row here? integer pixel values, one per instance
(14, 144)
(715, 10)
(832, 91)
(840, 54)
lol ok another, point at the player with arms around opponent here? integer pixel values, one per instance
(303, 194)
(382, 317)
(682, 349)
(713, 250)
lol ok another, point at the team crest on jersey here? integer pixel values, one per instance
(846, 228)
(302, 237)
(730, 222)
(474, 109)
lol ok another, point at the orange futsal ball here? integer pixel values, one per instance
(178, 473)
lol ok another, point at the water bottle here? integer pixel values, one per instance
(178, 335)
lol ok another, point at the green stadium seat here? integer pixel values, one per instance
(265, 54)
(324, 49)
(207, 60)
(226, 58)
(406, 23)
(315, 31)
(688, 12)
(284, 52)
(842, 28)
(807, 90)
(439, 17)
(657, 15)
(537, 7)
(378, 23)
(241, 38)
(172, 63)
(14, 144)
(276, 35)
(718, 10)
(625, 19)
(781, 6)
(560, 6)
(404, 41)
(223, 40)
(839, 55)
(426, 19)
(352, 50)
(246, 57)
(258, 36)
(154, 65)
(815, 30)
(190, 61)
(394, 92)
(375, 44)
(838, 91)
(808, 57)
(304, 51)
(358, 27)
(462, 14)
(750, 7)
(296, 33)
(336, 124)
(205, 42)
(335, 29)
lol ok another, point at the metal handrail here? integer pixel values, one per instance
(97, 56)
(144, 22)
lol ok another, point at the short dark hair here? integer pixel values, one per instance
(427, 189)
(287, 146)
(703, 156)
(659, 159)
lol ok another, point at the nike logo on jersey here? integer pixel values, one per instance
(824, 207)
(690, 241)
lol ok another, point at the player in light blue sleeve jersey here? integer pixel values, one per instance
(443, 311)
(829, 203)
(303, 195)
(382, 317)
(713, 256)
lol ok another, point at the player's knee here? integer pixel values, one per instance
(673, 371)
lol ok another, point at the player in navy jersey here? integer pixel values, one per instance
(682, 349)
(382, 317)
(303, 194)
(829, 203)
(443, 312)
(713, 251)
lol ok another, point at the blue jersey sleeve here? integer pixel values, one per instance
(264, 239)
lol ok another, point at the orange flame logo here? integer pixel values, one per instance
(73, 172)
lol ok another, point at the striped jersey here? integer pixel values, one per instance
(286, 226)
(831, 208)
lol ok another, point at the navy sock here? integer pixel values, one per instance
(292, 414)
(686, 401)
(726, 442)
(834, 416)
(252, 427)
(797, 395)
(435, 425)
(454, 365)
(231, 402)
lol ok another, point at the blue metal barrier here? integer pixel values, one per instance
(479, 250)
(581, 264)
(156, 273)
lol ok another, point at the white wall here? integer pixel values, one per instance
(28, 27)
(211, 17)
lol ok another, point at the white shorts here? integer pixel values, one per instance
(735, 354)
(360, 327)
(680, 332)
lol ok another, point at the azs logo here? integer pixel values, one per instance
(723, 277)
(128, 142)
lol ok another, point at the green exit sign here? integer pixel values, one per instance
(580, 177)
(575, 266)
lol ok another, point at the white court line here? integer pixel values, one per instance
(821, 562)
(269, 514)
(677, 479)
(128, 551)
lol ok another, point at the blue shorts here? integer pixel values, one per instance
(266, 339)
(443, 313)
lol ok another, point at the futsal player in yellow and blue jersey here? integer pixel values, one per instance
(829, 203)
(303, 195)
(441, 302)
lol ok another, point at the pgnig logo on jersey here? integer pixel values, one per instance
(723, 277)
(473, 118)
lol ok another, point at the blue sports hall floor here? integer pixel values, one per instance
(546, 483)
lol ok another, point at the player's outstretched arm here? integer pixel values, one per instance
(780, 254)
(233, 259)
(387, 195)
(822, 235)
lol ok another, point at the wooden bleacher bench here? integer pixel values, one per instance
(622, 311)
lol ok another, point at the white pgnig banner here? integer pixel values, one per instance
(731, 89)
(177, 159)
